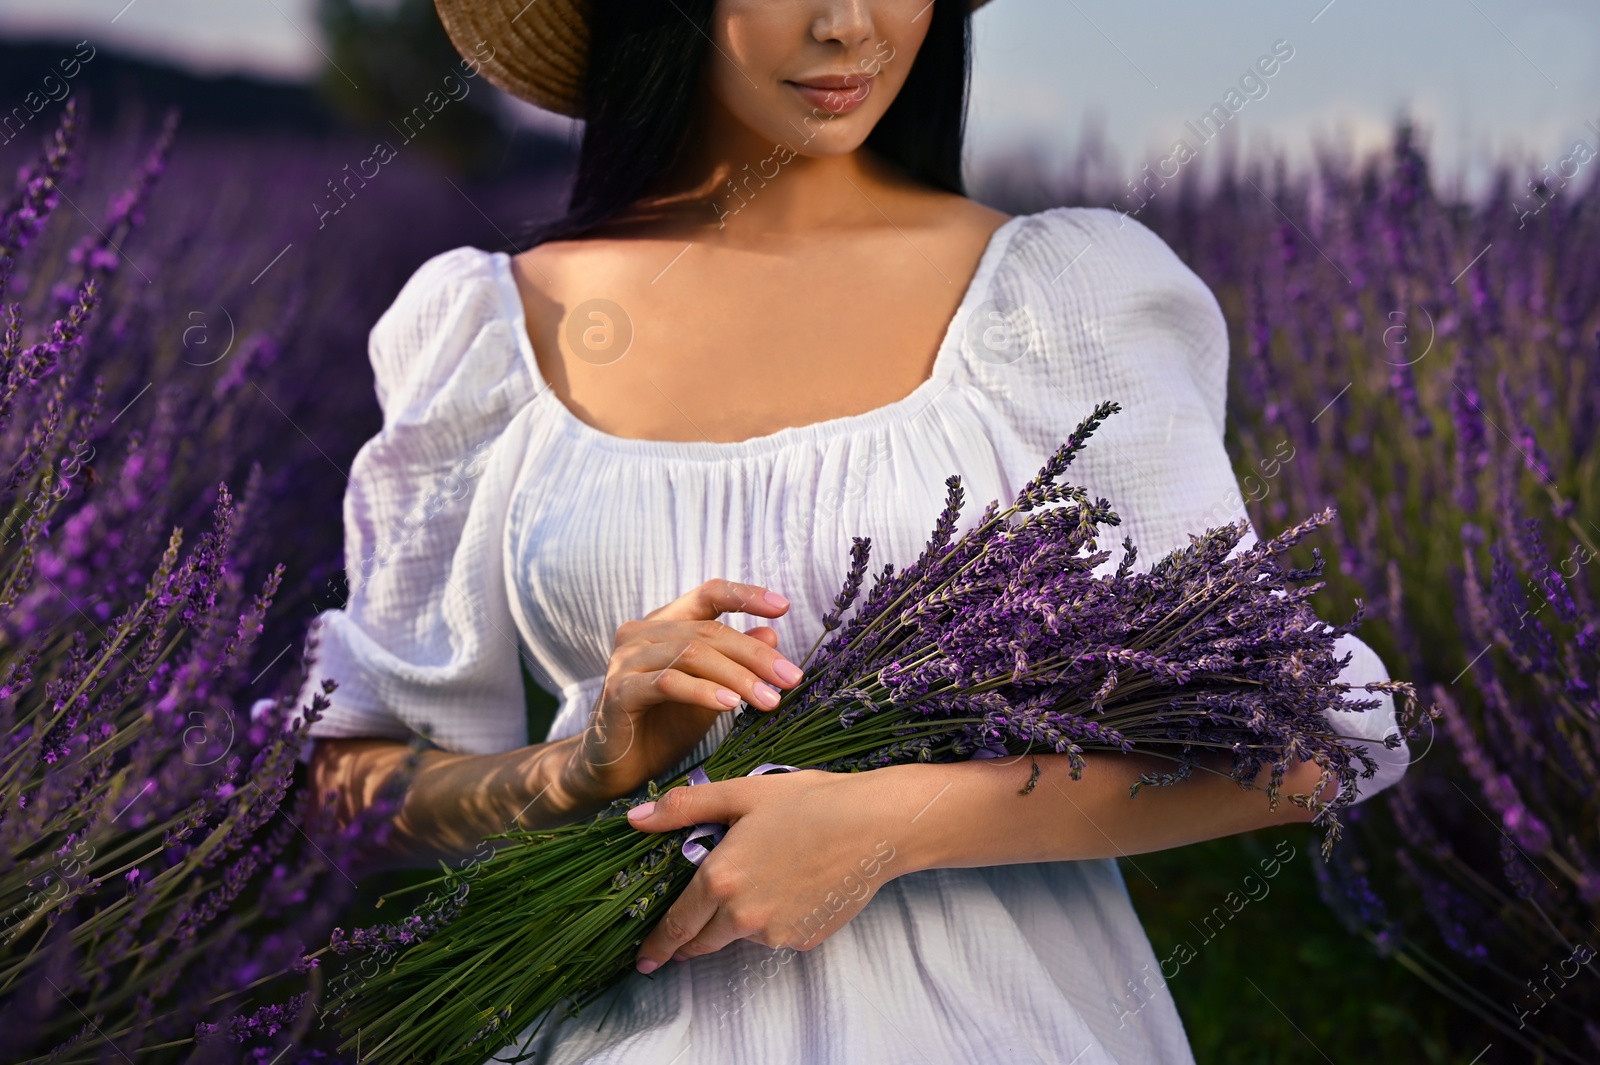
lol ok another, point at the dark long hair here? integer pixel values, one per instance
(644, 63)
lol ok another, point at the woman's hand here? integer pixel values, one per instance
(670, 675)
(804, 852)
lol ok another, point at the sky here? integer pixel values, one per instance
(1517, 79)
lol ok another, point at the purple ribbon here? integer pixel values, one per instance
(693, 849)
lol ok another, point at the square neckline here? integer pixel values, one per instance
(515, 313)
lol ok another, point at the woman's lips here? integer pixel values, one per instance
(838, 101)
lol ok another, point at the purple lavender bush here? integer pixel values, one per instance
(136, 821)
(1431, 368)
(160, 350)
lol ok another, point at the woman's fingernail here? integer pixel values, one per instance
(777, 600)
(642, 811)
(728, 698)
(786, 670)
(766, 694)
(678, 956)
(646, 966)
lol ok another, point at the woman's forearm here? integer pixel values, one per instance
(971, 813)
(453, 802)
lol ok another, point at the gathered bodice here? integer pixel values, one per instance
(486, 524)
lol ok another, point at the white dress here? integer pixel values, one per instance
(486, 520)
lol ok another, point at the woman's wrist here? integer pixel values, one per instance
(912, 798)
(561, 783)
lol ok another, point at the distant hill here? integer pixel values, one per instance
(111, 83)
(111, 80)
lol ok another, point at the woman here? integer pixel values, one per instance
(771, 321)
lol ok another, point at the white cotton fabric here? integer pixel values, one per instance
(486, 520)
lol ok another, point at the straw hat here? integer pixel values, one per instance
(537, 48)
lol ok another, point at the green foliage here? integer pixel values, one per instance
(1321, 994)
(383, 64)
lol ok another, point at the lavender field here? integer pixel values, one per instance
(182, 343)
(1432, 370)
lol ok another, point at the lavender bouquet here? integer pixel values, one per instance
(1000, 642)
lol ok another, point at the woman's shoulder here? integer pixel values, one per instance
(1103, 265)
(1090, 295)
(1106, 243)
(433, 288)
(449, 330)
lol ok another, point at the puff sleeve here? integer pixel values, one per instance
(1156, 340)
(427, 636)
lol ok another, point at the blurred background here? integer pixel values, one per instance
(1492, 79)
(1400, 225)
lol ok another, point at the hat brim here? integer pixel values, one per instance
(535, 50)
